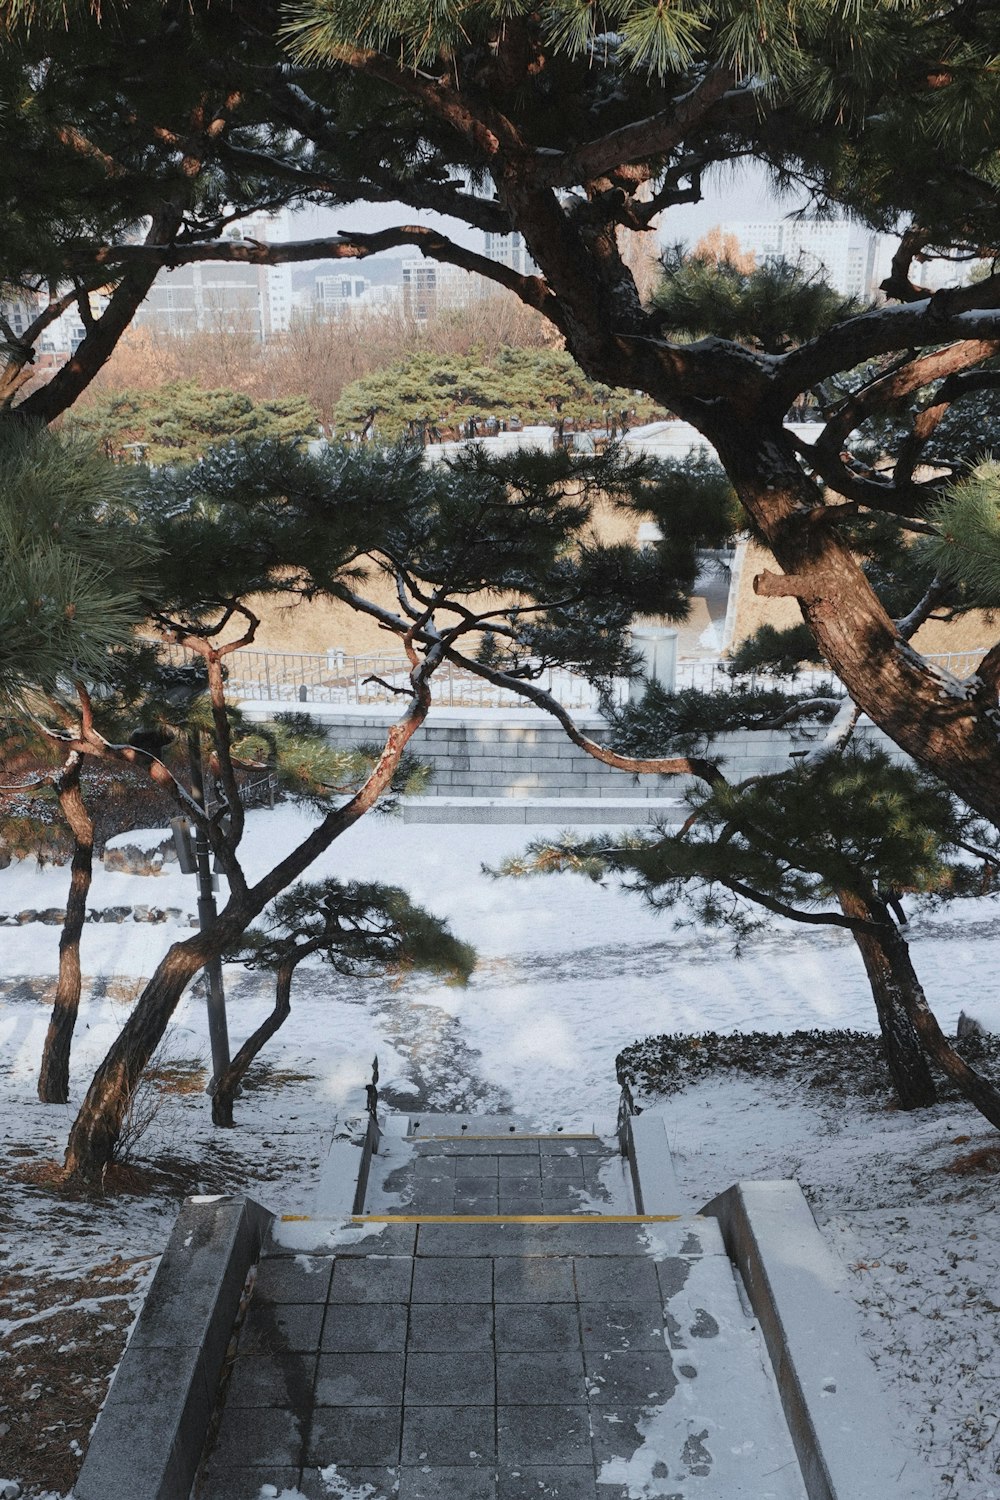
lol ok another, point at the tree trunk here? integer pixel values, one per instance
(53, 1075)
(905, 1056)
(97, 1128)
(226, 1087)
(972, 1085)
(948, 732)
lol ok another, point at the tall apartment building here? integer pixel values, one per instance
(430, 286)
(346, 292)
(225, 295)
(509, 250)
(843, 253)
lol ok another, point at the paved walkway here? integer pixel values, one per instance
(512, 1175)
(597, 1358)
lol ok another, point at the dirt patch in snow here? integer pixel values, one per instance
(60, 1338)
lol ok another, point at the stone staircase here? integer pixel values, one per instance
(499, 1324)
(477, 1311)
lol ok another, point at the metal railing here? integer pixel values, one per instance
(333, 677)
(627, 1107)
(373, 1139)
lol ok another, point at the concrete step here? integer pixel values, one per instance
(598, 1359)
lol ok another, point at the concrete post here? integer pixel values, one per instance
(657, 645)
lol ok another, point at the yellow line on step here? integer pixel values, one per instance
(516, 1218)
(513, 1136)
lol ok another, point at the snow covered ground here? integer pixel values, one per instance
(569, 973)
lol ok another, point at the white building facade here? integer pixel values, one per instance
(843, 253)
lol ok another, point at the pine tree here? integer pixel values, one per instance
(494, 561)
(450, 395)
(178, 422)
(835, 842)
(574, 124)
(363, 929)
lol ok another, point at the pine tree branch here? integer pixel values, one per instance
(484, 127)
(310, 119)
(898, 284)
(769, 585)
(346, 246)
(908, 626)
(902, 381)
(780, 909)
(956, 313)
(926, 422)
(655, 136)
(988, 671)
(681, 765)
(52, 399)
(801, 710)
(842, 474)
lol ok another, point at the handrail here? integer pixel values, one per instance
(372, 1141)
(333, 677)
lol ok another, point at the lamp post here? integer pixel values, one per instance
(194, 854)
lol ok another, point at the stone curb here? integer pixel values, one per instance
(561, 811)
(843, 1424)
(148, 1440)
(654, 1181)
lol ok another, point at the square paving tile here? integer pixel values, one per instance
(281, 1328)
(450, 1327)
(521, 1187)
(468, 1185)
(376, 1278)
(450, 1435)
(548, 1482)
(376, 1326)
(432, 1166)
(359, 1380)
(250, 1437)
(524, 1379)
(626, 1278)
(229, 1483)
(634, 1378)
(448, 1279)
(673, 1276)
(380, 1483)
(426, 1483)
(536, 1278)
(564, 1202)
(379, 1239)
(562, 1169)
(622, 1325)
(432, 1197)
(543, 1435)
(360, 1435)
(544, 1325)
(304, 1279)
(399, 1181)
(513, 1208)
(472, 1147)
(575, 1145)
(449, 1380)
(616, 1432)
(475, 1203)
(519, 1166)
(272, 1380)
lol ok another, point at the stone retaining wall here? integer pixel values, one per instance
(525, 753)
